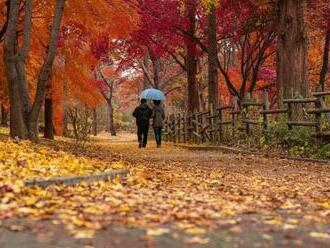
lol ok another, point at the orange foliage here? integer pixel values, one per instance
(74, 61)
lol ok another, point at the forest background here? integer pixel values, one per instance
(70, 67)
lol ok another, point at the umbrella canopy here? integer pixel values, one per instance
(152, 94)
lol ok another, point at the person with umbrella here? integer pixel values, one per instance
(142, 114)
(158, 116)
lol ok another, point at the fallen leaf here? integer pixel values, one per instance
(195, 230)
(157, 231)
(320, 235)
(197, 240)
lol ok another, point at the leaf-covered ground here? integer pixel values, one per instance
(171, 198)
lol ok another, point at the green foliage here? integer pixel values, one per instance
(323, 152)
(298, 140)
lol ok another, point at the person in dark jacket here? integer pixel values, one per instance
(142, 114)
(158, 116)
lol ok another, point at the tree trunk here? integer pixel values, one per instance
(4, 27)
(325, 62)
(49, 127)
(17, 123)
(191, 58)
(94, 125)
(65, 109)
(45, 72)
(20, 64)
(212, 58)
(291, 50)
(156, 69)
(4, 116)
(202, 101)
(24, 119)
(111, 123)
(146, 83)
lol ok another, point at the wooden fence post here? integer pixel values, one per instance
(234, 115)
(290, 112)
(172, 128)
(202, 120)
(265, 108)
(190, 128)
(196, 127)
(318, 115)
(246, 112)
(185, 127)
(211, 122)
(175, 127)
(220, 120)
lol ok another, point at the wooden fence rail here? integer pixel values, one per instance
(209, 126)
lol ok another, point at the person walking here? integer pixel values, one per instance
(158, 116)
(142, 114)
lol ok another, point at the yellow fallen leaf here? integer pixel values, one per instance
(183, 226)
(196, 230)
(267, 237)
(157, 231)
(197, 240)
(293, 221)
(16, 228)
(227, 212)
(83, 234)
(326, 205)
(320, 235)
(93, 225)
(289, 226)
(273, 222)
(124, 209)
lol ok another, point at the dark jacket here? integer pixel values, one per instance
(142, 115)
(158, 116)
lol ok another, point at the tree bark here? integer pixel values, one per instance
(65, 109)
(17, 123)
(49, 127)
(156, 70)
(325, 61)
(108, 96)
(45, 72)
(21, 69)
(4, 116)
(48, 113)
(94, 125)
(212, 58)
(24, 119)
(146, 79)
(191, 57)
(111, 123)
(291, 50)
(4, 27)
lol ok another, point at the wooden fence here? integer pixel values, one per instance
(209, 126)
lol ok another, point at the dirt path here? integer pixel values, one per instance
(180, 198)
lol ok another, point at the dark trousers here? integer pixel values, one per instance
(158, 135)
(142, 133)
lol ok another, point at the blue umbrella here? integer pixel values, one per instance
(152, 94)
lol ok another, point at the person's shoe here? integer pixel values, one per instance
(140, 145)
(158, 146)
